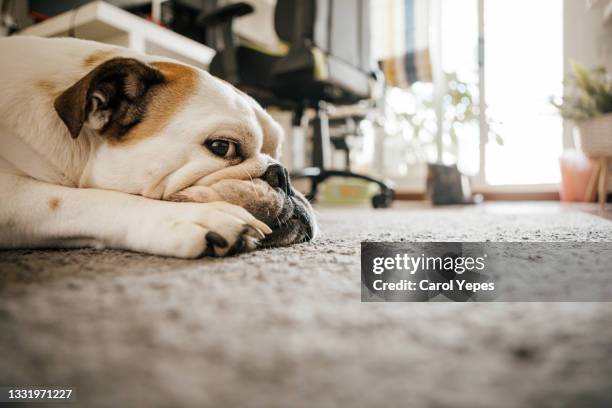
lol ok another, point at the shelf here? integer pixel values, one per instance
(100, 21)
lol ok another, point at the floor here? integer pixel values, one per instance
(286, 328)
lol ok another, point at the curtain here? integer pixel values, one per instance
(401, 40)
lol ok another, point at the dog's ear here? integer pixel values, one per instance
(110, 99)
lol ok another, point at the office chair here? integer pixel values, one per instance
(328, 61)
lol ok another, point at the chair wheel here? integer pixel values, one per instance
(383, 199)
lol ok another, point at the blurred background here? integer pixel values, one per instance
(446, 100)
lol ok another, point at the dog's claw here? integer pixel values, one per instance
(237, 247)
(253, 232)
(209, 251)
(261, 226)
(213, 238)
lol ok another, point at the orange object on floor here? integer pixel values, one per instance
(579, 176)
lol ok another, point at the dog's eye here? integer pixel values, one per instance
(222, 148)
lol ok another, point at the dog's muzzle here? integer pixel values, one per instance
(293, 221)
(270, 198)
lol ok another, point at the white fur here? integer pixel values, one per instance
(58, 191)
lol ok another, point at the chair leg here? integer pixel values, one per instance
(321, 143)
(381, 200)
(603, 181)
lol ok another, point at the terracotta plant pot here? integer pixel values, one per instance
(578, 177)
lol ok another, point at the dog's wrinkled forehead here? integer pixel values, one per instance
(246, 116)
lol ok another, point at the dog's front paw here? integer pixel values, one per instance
(191, 230)
(233, 232)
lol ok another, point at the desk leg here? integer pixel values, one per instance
(603, 181)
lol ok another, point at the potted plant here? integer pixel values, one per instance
(588, 103)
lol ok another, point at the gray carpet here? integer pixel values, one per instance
(286, 328)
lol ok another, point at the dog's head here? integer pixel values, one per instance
(170, 131)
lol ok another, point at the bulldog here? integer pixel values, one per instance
(104, 147)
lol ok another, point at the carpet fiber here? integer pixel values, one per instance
(286, 328)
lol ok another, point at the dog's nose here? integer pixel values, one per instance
(277, 176)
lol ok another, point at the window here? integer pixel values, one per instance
(523, 69)
(496, 64)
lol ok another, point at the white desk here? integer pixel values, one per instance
(100, 21)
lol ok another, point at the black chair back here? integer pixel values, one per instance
(340, 28)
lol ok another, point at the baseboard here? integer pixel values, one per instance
(489, 196)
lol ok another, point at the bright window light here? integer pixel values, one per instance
(524, 68)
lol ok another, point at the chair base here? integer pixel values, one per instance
(317, 175)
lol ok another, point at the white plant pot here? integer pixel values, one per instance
(596, 136)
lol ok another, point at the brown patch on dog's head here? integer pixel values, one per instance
(97, 57)
(54, 203)
(110, 99)
(124, 99)
(164, 100)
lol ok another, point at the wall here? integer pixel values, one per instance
(587, 38)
